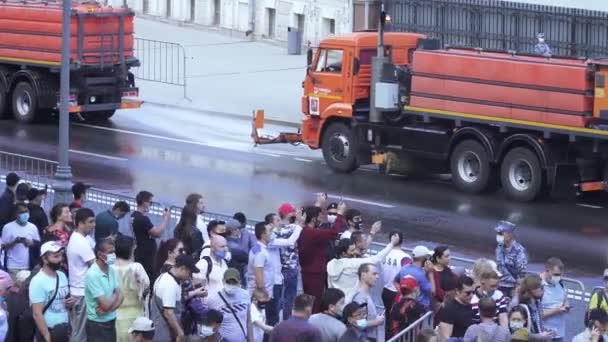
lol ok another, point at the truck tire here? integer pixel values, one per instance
(99, 116)
(521, 175)
(470, 166)
(340, 148)
(25, 103)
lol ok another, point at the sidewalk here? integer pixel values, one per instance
(228, 74)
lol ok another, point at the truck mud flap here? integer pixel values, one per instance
(563, 179)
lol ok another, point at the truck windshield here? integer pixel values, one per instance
(330, 60)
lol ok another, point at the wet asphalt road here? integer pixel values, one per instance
(173, 153)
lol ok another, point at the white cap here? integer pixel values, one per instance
(142, 324)
(51, 246)
(421, 251)
(22, 276)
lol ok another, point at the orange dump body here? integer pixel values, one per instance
(550, 91)
(31, 33)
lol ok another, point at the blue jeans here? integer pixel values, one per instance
(290, 290)
(274, 307)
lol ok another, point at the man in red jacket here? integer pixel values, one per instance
(313, 260)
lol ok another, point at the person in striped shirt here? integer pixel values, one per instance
(488, 288)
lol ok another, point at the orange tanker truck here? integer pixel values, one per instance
(101, 54)
(531, 124)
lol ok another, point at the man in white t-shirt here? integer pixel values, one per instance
(214, 277)
(165, 304)
(17, 239)
(80, 256)
(389, 268)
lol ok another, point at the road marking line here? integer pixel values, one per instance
(377, 204)
(589, 206)
(267, 154)
(91, 154)
(303, 160)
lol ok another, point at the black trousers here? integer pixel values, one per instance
(388, 299)
(100, 332)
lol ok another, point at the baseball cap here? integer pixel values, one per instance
(233, 224)
(421, 251)
(505, 227)
(332, 206)
(50, 246)
(286, 209)
(408, 283)
(187, 261)
(352, 307)
(142, 324)
(232, 274)
(33, 193)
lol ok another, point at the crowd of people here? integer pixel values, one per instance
(300, 275)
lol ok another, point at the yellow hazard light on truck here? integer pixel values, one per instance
(600, 93)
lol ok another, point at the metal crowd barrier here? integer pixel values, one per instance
(410, 334)
(162, 62)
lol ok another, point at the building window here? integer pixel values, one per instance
(271, 21)
(329, 27)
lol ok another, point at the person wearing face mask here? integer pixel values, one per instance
(597, 328)
(50, 296)
(407, 310)
(354, 223)
(329, 320)
(18, 237)
(312, 261)
(234, 301)
(511, 258)
(354, 315)
(256, 325)
(213, 266)
(102, 294)
(518, 323)
(556, 306)
(599, 297)
(210, 327)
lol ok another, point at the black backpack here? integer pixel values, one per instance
(600, 300)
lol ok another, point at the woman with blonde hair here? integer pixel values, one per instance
(134, 284)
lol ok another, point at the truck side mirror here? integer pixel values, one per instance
(356, 66)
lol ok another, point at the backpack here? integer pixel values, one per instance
(209, 266)
(601, 298)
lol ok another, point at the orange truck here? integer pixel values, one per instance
(101, 54)
(532, 125)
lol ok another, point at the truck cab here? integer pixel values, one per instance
(337, 84)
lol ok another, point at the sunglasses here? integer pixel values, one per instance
(468, 293)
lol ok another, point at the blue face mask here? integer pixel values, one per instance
(220, 254)
(23, 217)
(111, 259)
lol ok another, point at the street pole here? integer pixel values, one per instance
(63, 173)
(375, 115)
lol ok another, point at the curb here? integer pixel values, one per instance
(269, 120)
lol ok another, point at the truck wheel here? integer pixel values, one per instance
(521, 175)
(99, 116)
(25, 103)
(470, 167)
(340, 147)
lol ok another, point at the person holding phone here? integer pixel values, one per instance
(597, 329)
(556, 307)
(17, 239)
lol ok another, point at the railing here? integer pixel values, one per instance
(162, 62)
(504, 25)
(410, 334)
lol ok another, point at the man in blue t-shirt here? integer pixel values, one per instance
(49, 295)
(421, 269)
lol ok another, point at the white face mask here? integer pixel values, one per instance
(500, 239)
(230, 289)
(331, 218)
(206, 331)
(556, 279)
(516, 325)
